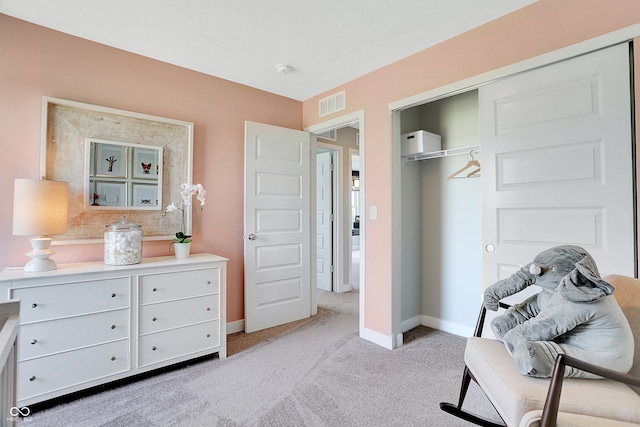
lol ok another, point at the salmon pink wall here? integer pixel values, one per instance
(541, 27)
(37, 62)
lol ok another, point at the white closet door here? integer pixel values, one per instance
(324, 222)
(557, 164)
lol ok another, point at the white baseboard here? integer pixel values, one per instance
(383, 340)
(387, 341)
(409, 324)
(237, 326)
(443, 325)
(367, 334)
(346, 287)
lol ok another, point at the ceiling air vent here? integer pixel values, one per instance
(332, 103)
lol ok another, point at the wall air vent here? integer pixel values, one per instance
(332, 103)
(331, 135)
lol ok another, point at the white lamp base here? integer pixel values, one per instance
(40, 255)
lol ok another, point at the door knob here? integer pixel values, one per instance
(252, 236)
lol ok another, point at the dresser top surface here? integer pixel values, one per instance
(16, 273)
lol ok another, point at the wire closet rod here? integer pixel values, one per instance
(442, 153)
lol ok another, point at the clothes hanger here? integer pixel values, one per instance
(472, 174)
(470, 163)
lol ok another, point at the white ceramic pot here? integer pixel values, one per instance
(181, 250)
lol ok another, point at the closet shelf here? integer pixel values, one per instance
(442, 153)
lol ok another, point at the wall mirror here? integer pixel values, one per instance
(119, 175)
(138, 159)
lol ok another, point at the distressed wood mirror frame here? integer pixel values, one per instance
(66, 125)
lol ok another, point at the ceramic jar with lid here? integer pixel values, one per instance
(123, 243)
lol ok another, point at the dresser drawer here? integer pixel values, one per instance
(173, 314)
(47, 374)
(174, 343)
(70, 299)
(42, 338)
(177, 285)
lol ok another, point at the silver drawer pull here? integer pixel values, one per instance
(113, 295)
(34, 305)
(208, 308)
(154, 319)
(113, 326)
(208, 282)
(154, 289)
(153, 348)
(34, 341)
(208, 335)
(113, 358)
(33, 378)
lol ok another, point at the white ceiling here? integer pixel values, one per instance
(328, 42)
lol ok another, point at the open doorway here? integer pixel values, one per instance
(336, 222)
(350, 120)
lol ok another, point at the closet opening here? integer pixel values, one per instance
(441, 212)
(554, 163)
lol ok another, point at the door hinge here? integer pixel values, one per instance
(331, 167)
(331, 269)
(331, 217)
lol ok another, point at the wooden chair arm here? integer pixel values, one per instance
(552, 402)
(483, 313)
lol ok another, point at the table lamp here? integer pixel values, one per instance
(40, 209)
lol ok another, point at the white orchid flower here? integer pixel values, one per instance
(201, 195)
(186, 193)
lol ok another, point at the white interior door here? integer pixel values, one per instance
(557, 164)
(324, 221)
(277, 245)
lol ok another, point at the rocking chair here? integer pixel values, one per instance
(520, 400)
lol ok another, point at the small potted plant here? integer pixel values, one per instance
(182, 242)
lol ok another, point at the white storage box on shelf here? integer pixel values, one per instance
(420, 142)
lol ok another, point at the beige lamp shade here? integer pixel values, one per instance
(40, 207)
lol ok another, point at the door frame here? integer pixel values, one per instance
(620, 36)
(339, 122)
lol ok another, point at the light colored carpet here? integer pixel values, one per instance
(315, 372)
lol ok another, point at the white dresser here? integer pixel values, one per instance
(87, 324)
(9, 324)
